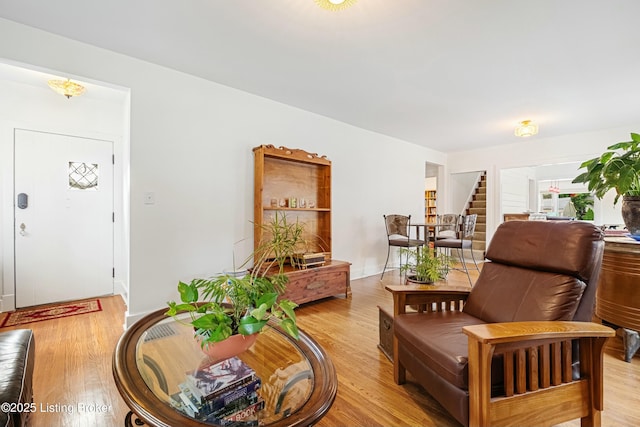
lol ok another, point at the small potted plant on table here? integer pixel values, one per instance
(425, 265)
(226, 311)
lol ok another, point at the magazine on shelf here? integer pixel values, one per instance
(246, 416)
(223, 405)
(226, 391)
(213, 380)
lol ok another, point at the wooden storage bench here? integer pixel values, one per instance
(385, 326)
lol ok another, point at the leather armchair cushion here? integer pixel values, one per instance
(437, 340)
(505, 293)
(557, 246)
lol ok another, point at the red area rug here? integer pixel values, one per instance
(37, 314)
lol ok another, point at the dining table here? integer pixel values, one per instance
(427, 229)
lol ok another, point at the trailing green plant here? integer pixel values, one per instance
(426, 264)
(617, 168)
(226, 305)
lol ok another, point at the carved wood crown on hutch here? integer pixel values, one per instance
(294, 154)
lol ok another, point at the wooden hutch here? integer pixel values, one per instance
(298, 184)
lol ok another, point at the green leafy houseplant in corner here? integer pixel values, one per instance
(425, 266)
(617, 168)
(226, 305)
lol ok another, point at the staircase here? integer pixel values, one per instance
(478, 205)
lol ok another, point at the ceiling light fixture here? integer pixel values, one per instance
(335, 4)
(66, 87)
(526, 128)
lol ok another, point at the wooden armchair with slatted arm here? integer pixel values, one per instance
(539, 384)
(519, 348)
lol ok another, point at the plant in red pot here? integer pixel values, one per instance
(227, 311)
(617, 168)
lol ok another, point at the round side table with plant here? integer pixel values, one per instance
(617, 168)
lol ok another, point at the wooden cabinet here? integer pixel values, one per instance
(298, 184)
(618, 294)
(430, 211)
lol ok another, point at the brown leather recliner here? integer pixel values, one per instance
(17, 356)
(523, 350)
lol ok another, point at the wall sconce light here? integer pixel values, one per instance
(526, 128)
(66, 87)
(335, 4)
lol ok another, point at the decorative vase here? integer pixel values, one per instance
(232, 346)
(631, 213)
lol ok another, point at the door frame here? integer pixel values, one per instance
(101, 148)
(8, 200)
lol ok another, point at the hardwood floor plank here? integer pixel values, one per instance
(73, 365)
(73, 368)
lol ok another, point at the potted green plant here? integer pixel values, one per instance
(232, 309)
(617, 168)
(425, 265)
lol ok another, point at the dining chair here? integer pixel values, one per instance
(463, 241)
(399, 235)
(448, 226)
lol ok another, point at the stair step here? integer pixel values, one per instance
(478, 245)
(481, 219)
(479, 196)
(479, 204)
(478, 211)
(481, 227)
(481, 190)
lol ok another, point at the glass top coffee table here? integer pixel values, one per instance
(156, 356)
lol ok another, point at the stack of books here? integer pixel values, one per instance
(224, 393)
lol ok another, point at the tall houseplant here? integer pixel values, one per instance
(224, 306)
(617, 168)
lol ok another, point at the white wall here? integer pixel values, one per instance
(461, 186)
(533, 152)
(28, 107)
(190, 144)
(514, 184)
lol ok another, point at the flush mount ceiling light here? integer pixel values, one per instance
(66, 87)
(526, 128)
(335, 4)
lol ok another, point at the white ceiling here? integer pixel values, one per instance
(447, 74)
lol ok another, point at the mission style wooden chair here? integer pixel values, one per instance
(520, 348)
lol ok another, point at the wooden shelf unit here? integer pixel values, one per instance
(281, 174)
(430, 211)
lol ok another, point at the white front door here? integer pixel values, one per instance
(63, 217)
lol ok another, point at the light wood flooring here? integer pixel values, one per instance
(73, 366)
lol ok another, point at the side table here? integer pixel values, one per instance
(152, 358)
